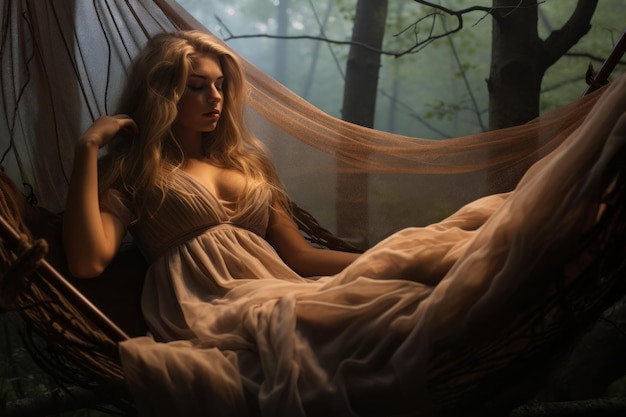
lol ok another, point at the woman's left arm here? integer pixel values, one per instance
(283, 234)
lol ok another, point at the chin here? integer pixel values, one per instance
(209, 129)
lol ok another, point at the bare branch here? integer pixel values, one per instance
(467, 84)
(453, 12)
(416, 47)
(315, 38)
(563, 82)
(560, 41)
(488, 10)
(589, 56)
(414, 26)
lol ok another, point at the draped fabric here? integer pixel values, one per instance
(367, 340)
(64, 62)
(236, 332)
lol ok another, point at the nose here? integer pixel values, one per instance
(214, 95)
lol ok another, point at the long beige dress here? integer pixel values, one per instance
(236, 332)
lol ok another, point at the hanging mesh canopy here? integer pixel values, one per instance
(64, 64)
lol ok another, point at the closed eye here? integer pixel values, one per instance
(195, 87)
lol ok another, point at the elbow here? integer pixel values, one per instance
(84, 265)
(81, 269)
(83, 261)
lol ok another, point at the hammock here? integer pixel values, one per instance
(82, 320)
(87, 332)
(489, 378)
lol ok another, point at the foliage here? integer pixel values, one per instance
(422, 94)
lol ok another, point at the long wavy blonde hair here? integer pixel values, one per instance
(157, 81)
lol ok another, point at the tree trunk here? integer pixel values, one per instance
(519, 60)
(359, 106)
(516, 68)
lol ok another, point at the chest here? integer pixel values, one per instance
(225, 184)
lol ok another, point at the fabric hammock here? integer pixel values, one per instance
(53, 85)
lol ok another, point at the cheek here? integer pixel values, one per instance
(184, 113)
(187, 108)
(185, 103)
(191, 99)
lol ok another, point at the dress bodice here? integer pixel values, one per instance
(189, 208)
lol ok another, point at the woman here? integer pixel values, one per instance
(236, 329)
(178, 107)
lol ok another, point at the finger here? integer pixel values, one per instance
(132, 126)
(129, 126)
(127, 122)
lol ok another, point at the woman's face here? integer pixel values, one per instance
(200, 106)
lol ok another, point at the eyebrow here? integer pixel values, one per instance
(204, 77)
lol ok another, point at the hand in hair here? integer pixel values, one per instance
(106, 128)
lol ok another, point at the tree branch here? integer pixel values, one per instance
(416, 47)
(231, 36)
(589, 56)
(467, 85)
(453, 12)
(561, 40)
(494, 11)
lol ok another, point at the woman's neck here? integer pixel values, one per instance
(191, 145)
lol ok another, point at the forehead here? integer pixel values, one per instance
(206, 65)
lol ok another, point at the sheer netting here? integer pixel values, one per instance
(63, 65)
(456, 279)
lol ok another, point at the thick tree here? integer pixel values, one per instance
(520, 58)
(519, 61)
(359, 107)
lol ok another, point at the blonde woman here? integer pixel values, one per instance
(182, 118)
(236, 328)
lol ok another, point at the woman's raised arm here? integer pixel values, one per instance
(91, 237)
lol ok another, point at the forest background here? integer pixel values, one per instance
(428, 93)
(426, 84)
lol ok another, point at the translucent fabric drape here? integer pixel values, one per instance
(63, 64)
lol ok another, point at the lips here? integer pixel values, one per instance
(212, 113)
